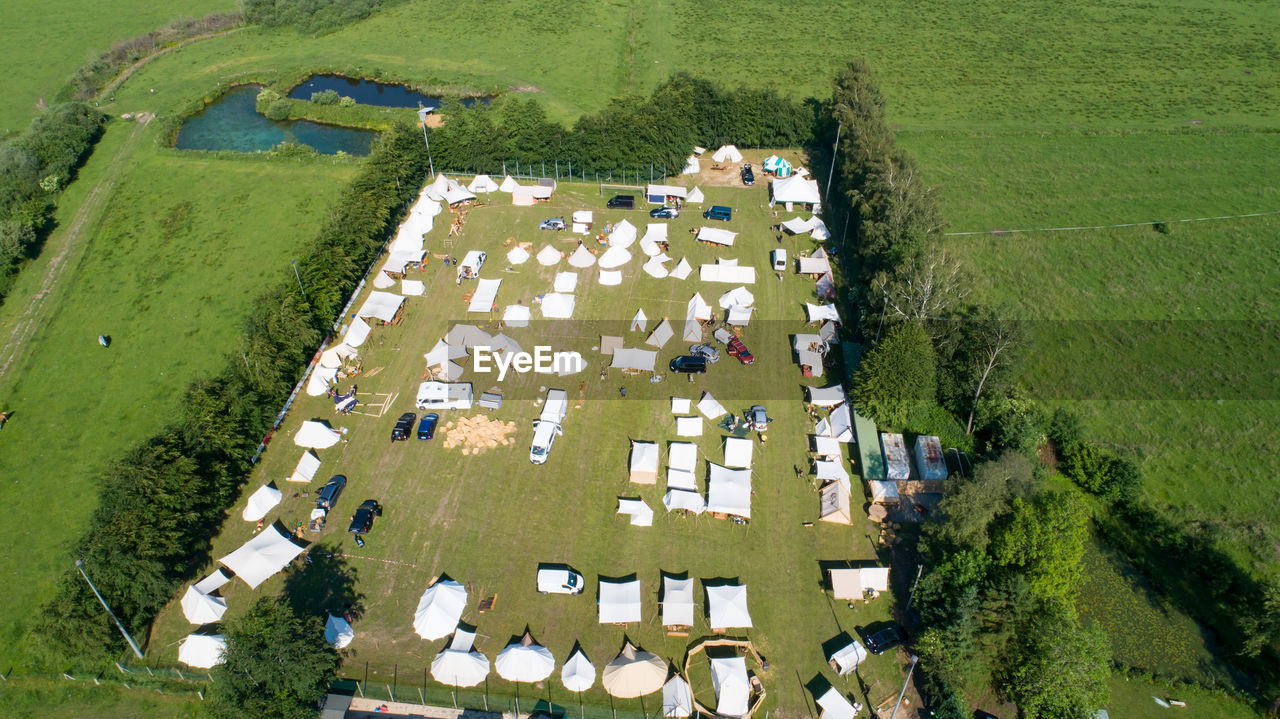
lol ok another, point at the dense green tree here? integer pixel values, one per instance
(967, 511)
(1056, 668)
(277, 664)
(897, 375)
(1043, 540)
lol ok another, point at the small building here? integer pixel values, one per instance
(896, 465)
(931, 465)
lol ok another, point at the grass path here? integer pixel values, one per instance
(67, 243)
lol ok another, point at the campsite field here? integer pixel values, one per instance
(41, 44)
(156, 273)
(489, 518)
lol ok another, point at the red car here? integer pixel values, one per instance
(739, 350)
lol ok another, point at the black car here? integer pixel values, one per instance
(885, 639)
(689, 364)
(622, 202)
(403, 427)
(362, 520)
(329, 493)
(664, 213)
(748, 177)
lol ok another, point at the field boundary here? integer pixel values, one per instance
(1108, 227)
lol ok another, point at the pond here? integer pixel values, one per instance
(232, 123)
(369, 92)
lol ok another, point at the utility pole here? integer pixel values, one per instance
(831, 172)
(132, 644)
(902, 693)
(912, 594)
(422, 115)
(294, 262)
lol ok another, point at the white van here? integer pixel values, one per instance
(779, 258)
(471, 264)
(547, 427)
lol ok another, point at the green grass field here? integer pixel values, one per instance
(167, 272)
(41, 44)
(489, 518)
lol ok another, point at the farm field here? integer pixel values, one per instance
(487, 519)
(41, 44)
(149, 276)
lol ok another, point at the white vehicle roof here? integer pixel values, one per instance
(556, 406)
(445, 395)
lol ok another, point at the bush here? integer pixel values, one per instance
(1102, 472)
(347, 102)
(265, 97)
(278, 110)
(313, 17)
(1065, 431)
(325, 97)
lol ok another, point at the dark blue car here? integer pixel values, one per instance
(427, 426)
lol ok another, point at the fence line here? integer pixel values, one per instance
(1107, 227)
(565, 172)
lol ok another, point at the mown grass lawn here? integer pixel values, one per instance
(488, 519)
(183, 247)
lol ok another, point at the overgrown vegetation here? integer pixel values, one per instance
(631, 133)
(160, 505)
(91, 78)
(35, 167)
(312, 17)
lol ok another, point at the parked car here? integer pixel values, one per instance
(758, 418)
(559, 579)
(689, 364)
(362, 520)
(779, 260)
(707, 352)
(547, 427)
(403, 427)
(718, 212)
(622, 202)
(554, 223)
(329, 493)
(748, 177)
(664, 213)
(884, 639)
(739, 350)
(427, 427)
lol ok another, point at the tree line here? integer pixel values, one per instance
(630, 132)
(35, 167)
(311, 17)
(160, 505)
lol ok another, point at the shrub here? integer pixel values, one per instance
(265, 97)
(1065, 431)
(347, 102)
(325, 97)
(278, 110)
(1100, 471)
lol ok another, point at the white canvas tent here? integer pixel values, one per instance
(525, 661)
(733, 689)
(486, 294)
(737, 297)
(689, 426)
(338, 632)
(827, 470)
(828, 448)
(639, 322)
(695, 197)
(684, 499)
(518, 256)
(382, 280)
(727, 605)
(729, 491)
(883, 491)
(644, 462)
(821, 313)
(261, 502)
(727, 153)
(201, 608)
(565, 282)
(797, 189)
(834, 503)
(638, 360)
(412, 288)
(849, 657)
(216, 579)
(582, 258)
(440, 609)
(737, 452)
(556, 305)
(716, 236)
(357, 332)
(261, 557)
(728, 271)
(614, 257)
(681, 270)
(816, 228)
(677, 602)
(835, 706)
(739, 316)
(523, 196)
(814, 265)
(640, 513)
(577, 674)
(827, 396)
(660, 334)
(677, 698)
(655, 268)
(656, 232)
(682, 465)
(320, 379)
(681, 405)
(838, 425)
(482, 184)
(619, 601)
(516, 316)
(459, 664)
(307, 467)
(508, 184)
(633, 673)
(658, 194)
(548, 256)
(202, 651)
(316, 435)
(691, 167)
(381, 305)
(854, 583)
(710, 408)
(623, 235)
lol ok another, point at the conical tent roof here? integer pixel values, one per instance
(439, 609)
(261, 502)
(578, 674)
(201, 608)
(508, 184)
(582, 257)
(677, 699)
(728, 606)
(316, 435)
(633, 673)
(525, 661)
(202, 651)
(459, 668)
(695, 196)
(338, 632)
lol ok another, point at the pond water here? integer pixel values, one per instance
(369, 92)
(232, 123)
